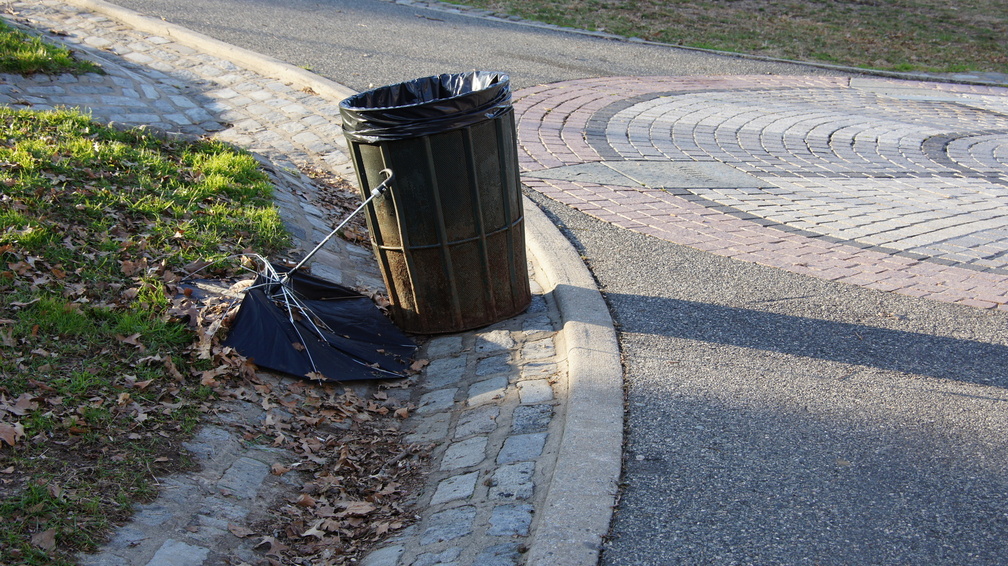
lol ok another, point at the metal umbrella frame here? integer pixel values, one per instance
(310, 331)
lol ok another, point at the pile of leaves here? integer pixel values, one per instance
(360, 476)
(106, 367)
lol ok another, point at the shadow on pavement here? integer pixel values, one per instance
(896, 350)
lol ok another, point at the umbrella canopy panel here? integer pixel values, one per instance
(346, 339)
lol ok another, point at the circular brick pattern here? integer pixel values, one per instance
(894, 185)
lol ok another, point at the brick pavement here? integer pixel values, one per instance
(893, 185)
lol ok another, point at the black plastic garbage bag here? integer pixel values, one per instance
(356, 341)
(425, 106)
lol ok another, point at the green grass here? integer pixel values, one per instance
(901, 35)
(98, 380)
(26, 54)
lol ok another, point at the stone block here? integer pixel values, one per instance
(521, 448)
(449, 525)
(177, 553)
(445, 558)
(481, 420)
(436, 401)
(506, 554)
(513, 482)
(444, 372)
(463, 454)
(455, 487)
(494, 341)
(431, 428)
(539, 349)
(494, 364)
(244, 477)
(531, 418)
(512, 519)
(487, 391)
(535, 391)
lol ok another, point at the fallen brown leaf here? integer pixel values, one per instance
(357, 508)
(46, 540)
(240, 531)
(11, 433)
(314, 531)
(270, 546)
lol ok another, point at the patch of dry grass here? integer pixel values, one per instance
(899, 35)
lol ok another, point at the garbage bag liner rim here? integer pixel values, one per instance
(424, 106)
(460, 85)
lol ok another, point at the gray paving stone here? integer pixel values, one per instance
(512, 519)
(435, 401)
(178, 553)
(388, 556)
(244, 477)
(153, 514)
(487, 391)
(481, 420)
(327, 272)
(445, 558)
(538, 304)
(493, 365)
(513, 482)
(443, 372)
(538, 370)
(126, 537)
(505, 554)
(535, 391)
(522, 447)
(465, 453)
(494, 341)
(449, 525)
(217, 508)
(455, 487)
(536, 324)
(531, 418)
(539, 349)
(102, 559)
(206, 534)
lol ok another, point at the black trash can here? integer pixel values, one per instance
(449, 232)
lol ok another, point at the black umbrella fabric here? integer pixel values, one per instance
(308, 326)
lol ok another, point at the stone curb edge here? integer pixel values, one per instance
(257, 62)
(582, 492)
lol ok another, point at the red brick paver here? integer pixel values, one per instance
(796, 151)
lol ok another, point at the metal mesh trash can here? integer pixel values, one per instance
(449, 232)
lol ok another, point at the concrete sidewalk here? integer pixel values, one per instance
(504, 407)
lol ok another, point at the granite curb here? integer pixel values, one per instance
(579, 506)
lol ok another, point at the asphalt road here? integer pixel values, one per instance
(779, 419)
(772, 418)
(366, 43)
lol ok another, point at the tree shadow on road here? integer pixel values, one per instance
(904, 351)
